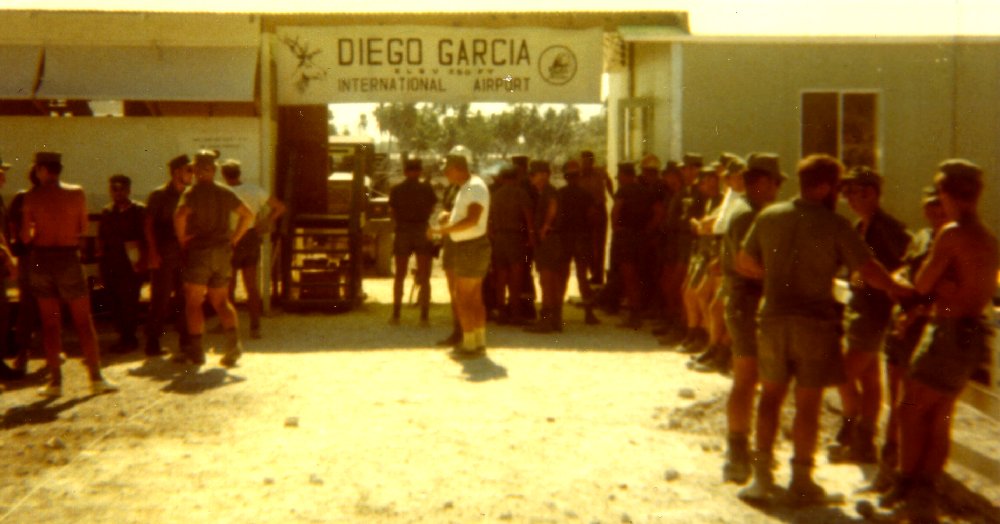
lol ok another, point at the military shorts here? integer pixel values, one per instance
(626, 245)
(247, 250)
(865, 332)
(56, 272)
(899, 348)
(741, 322)
(406, 243)
(509, 249)
(471, 257)
(950, 350)
(804, 348)
(208, 266)
(551, 254)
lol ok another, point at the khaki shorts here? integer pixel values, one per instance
(56, 272)
(247, 250)
(741, 322)
(509, 249)
(406, 243)
(804, 348)
(950, 351)
(208, 266)
(865, 332)
(471, 257)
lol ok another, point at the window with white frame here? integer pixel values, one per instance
(843, 124)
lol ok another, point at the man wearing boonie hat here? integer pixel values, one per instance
(166, 291)
(202, 223)
(717, 357)
(549, 255)
(575, 216)
(596, 180)
(797, 247)
(466, 225)
(867, 319)
(511, 231)
(121, 245)
(55, 217)
(246, 253)
(960, 277)
(743, 292)
(411, 203)
(631, 219)
(902, 341)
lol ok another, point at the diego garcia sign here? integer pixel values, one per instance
(319, 65)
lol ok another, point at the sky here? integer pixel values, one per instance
(707, 17)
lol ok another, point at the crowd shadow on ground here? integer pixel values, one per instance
(42, 411)
(367, 328)
(957, 503)
(184, 379)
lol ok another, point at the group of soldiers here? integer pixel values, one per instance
(527, 223)
(190, 237)
(746, 286)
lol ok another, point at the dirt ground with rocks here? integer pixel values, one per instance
(344, 418)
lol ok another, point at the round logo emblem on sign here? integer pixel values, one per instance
(557, 65)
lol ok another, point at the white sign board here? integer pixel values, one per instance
(320, 65)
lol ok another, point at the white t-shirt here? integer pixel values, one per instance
(474, 191)
(725, 210)
(255, 197)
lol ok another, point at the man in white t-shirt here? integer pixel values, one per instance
(246, 254)
(469, 249)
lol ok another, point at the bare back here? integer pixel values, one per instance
(55, 215)
(961, 271)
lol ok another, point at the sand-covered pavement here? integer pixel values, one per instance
(343, 418)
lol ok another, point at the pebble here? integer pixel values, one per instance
(687, 393)
(315, 480)
(122, 413)
(506, 516)
(626, 519)
(675, 423)
(292, 422)
(570, 514)
(550, 419)
(671, 475)
(55, 443)
(448, 505)
(268, 481)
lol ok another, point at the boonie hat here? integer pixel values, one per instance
(48, 157)
(767, 163)
(692, 159)
(205, 157)
(862, 176)
(178, 162)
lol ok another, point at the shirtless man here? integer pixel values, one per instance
(55, 217)
(960, 276)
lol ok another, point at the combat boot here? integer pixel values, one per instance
(803, 490)
(762, 490)
(543, 324)
(737, 467)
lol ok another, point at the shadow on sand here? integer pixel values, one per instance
(482, 369)
(41, 412)
(184, 379)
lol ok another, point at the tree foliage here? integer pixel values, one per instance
(549, 134)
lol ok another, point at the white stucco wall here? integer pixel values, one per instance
(95, 148)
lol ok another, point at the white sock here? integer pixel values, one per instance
(469, 340)
(481, 337)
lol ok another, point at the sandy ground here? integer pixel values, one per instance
(343, 418)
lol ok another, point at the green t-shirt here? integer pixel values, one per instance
(211, 204)
(802, 245)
